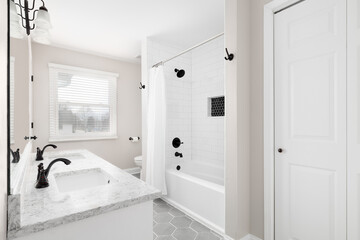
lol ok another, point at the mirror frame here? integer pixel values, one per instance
(8, 99)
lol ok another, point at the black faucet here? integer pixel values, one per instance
(39, 153)
(15, 155)
(177, 154)
(42, 180)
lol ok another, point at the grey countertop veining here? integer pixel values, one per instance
(48, 207)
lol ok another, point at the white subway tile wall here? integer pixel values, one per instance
(188, 101)
(207, 82)
(178, 96)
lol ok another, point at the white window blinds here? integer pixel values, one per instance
(82, 104)
(12, 100)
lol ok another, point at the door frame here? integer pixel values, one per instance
(269, 115)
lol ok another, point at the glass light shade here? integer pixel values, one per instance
(16, 31)
(13, 12)
(41, 35)
(43, 19)
(43, 40)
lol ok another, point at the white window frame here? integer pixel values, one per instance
(54, 135)
(12, 100)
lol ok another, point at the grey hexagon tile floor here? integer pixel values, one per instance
(172, 224)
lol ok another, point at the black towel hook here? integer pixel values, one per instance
(230, 56)
(141, 86)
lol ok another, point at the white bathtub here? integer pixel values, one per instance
(200, 199)
(208, 172)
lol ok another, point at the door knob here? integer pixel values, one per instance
(280, 150)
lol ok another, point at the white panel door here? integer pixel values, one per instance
(353, 119)
(310, 121)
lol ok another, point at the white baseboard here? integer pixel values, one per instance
(250, 237)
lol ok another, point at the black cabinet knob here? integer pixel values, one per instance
(280, 150)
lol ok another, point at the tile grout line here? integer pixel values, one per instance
(169, 208)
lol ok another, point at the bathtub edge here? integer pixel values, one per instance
(217, 229)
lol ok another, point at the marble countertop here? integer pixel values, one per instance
(48, 207)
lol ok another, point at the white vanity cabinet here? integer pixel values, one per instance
(131, 223)
(88, 199)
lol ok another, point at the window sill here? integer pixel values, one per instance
(80, 139)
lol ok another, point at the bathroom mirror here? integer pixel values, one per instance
(19, 101)
(19, 93)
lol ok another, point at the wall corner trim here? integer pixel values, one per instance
(250, 237)
(247, 237)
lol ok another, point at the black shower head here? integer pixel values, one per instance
(179, 73)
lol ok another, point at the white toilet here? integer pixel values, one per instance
(138, 161)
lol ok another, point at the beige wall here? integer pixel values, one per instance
(257, 117)
(237, 91)
(19, 50)
(119, 152)
(245, 198)
(3, 118)
(243, 115)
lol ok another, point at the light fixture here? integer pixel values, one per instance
(15, 29)
(38, 26)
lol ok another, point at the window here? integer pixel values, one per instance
(12, 100)
(82, 104)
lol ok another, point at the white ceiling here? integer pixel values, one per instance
(115, 28)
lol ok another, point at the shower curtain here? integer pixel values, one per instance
(155, 161)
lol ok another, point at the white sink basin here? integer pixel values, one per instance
(73, 156)
(70, 156)
(82, 179)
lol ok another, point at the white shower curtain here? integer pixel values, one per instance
(155, 159)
